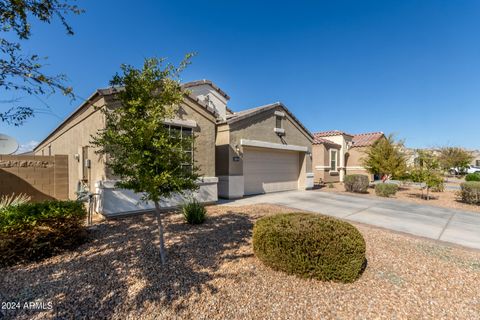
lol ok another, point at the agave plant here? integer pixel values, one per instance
(13, 200)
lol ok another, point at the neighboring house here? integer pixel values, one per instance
(476, 158)
(268, 133)
(261, 150)
(337, 153)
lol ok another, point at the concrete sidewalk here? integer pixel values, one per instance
(454, 226)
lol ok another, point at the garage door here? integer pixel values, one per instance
(268, 170)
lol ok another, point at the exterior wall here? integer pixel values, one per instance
(343, 141)
(114, 202)
(41, 178)
(258, 127)
(321, 164)
(69, 140)
(476, 158)
(215, 99)
(76, 133)
(354, 162)
(204, 155)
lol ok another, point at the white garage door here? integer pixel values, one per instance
(269, 170)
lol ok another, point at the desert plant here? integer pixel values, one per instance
(473, 176)
(356, 183)
(310, 246)
(33, 231)
(386, 189)
(194, 212)
(470, 192)
(331, 186)
(385, 157)
(13, 200)
(161, 166)
(427, 171)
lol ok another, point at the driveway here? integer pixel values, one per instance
(454, 226)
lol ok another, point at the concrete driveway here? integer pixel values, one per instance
(454, 226)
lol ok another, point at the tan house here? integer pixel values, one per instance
(232, 146)
(336, 154)
(261, 150)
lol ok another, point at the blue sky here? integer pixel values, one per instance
(406, 67)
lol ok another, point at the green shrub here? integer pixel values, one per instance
(386, 189)
(470, 192)
(473, 176)
(331, 186)
(194, 212)
(356, 183)
(33, 231)
(310, 246)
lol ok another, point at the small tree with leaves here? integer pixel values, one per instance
(145, 155)
(21, 72)
(427, 171)
(385, 157)
(454, 157)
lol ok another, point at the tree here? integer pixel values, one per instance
(140, 149)
(385, 157)
(21, 72)
(427, 171)
(454, 157)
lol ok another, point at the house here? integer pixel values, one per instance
(336, 153)
(261, 150)
(230, 147)
(476, 158)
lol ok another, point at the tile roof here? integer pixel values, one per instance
(331, 133)
(319, 140)
(366, 139)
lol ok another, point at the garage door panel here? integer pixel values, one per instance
(270, 171)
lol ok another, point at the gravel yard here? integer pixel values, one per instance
(446, 199)
(212, 274)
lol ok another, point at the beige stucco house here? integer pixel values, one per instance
(261, 150)
(336, 154)
(231, 148)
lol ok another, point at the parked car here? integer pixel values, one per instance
(468, 169)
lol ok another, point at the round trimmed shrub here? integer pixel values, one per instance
(386, 189)
(356, 183)
(470, 192)
(310, 246)
(473, 176)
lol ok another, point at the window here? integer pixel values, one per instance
(184, 133)
(477, 163)
(49, 150)
(278, 122)
(333, 160)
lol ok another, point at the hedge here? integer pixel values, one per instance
(33, 231)
(386, 189)
(310, 246)
(470, 192)
(356, 183)
(473, 176)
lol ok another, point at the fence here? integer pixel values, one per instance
(40, 177)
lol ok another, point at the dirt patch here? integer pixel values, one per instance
(213, 274)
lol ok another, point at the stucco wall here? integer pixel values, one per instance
(354, 162)
(77, 133)
(40, 178)
(321, 164)
(204, 155)
(261, 127)
(69, 141)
